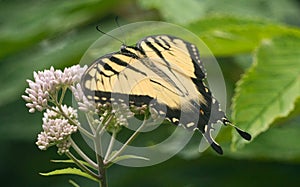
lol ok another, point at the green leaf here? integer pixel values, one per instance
(168, 7)
(280, 142)
(171, 10)
(50, 35)
(229, 35)
(72, 171)
(74, 183)
(55, 53)
(71, 161)
(44, 20)
(126, 157)
(269, 89)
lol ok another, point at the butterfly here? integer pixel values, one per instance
(164, 69)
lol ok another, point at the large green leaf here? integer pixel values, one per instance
(279, 142)
(228, 36)
(270, 88)
(171, 10)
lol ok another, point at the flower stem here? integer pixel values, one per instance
(130, 139)
(100, 129)
(90, 120)
(83, 167)
(102, 171)
(99, 152)
(111, 143)
(82, 155)
(62, 96)
(101, 166)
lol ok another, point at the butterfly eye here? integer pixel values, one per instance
(123, 48)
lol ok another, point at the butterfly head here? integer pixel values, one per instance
(123, 48)
(131, 51)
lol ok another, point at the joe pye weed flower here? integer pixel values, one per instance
(46, 93)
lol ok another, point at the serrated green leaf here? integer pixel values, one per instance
(280, 142)
(269, 89)
(229, 35)
(72, 171)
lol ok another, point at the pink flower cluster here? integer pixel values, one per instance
(47, 83)
(56, 127)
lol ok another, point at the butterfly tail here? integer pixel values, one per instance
(212, 142)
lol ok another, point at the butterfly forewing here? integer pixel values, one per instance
(163, 68)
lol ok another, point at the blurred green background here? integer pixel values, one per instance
(36, 34)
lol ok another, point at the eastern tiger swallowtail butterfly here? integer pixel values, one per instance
(163, 68)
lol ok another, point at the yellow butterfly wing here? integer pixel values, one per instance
(160, 68)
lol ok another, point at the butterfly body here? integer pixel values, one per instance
(160, 69)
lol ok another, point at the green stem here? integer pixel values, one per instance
(111, 143)
(99, 152)
(101, 130)
(90, 120)
(101, 166)
(62, 96)
(132, 137)
(82, 155)
(83, 167)
(85, 132)
(102, 171)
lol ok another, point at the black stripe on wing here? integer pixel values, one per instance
(174, 115)
(192, 51)
(120, 62)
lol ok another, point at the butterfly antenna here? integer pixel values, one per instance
(242, 133)
(98, 29)
(117, 21)
(118, 25)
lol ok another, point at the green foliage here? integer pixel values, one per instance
(41, 21)
(47, 38)
(173, 11)
(229, 36)
(73, 183)
(72, 171)
(72, 162)
(125, 157)
(270, 88)
(37, 34)
(279, 142)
